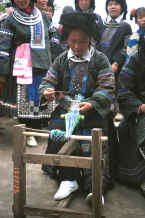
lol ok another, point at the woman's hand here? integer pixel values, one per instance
(141, 108)
(85, 106)
(49, 94)
(114, 67)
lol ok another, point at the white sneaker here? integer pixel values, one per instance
(65, 189)
(31, 141)
(89, 199)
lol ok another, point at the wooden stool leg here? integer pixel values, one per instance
(97, 173)
(20, 158)
(19, 185)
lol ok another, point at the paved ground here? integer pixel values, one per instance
(122, 202)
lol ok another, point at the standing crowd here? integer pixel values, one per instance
(43, 68)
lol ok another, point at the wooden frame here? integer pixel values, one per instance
(20, 158)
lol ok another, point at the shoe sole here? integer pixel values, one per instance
(32, 145)
(70, 195)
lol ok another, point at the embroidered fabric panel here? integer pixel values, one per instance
(5, 33)
(4, 54)
(5, 37)
(37, 36)
(28, 100)
(79, 76)
(29, 108)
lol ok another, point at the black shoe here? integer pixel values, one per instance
(107, 185)
(49, 171)
(142, 189)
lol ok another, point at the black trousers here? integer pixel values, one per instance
(92, 120)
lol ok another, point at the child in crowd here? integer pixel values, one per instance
(54, 36)
(139, 16)
(41, 4)
(79, 70)
(49, 10)
(46, 6)
(115, 35)
(88, 6)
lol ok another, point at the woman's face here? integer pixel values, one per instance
(22, 4)
(42, 4)
(141, 20)
(114, 9)
(49, 12)
(84, 4)
(79, 42)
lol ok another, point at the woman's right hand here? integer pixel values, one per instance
(49, 94)
(142, 108)
(114, 67)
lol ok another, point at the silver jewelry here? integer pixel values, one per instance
(27, 20)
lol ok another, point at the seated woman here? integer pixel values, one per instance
(83, 70)
(131, 99)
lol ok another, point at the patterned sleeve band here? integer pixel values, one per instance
(4, 54)
(5, 33)
(106, 84)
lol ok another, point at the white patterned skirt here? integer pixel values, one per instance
(30, 109)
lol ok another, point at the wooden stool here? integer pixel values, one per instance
(20, 158)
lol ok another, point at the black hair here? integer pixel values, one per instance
(9, 4)
(50, 4)
(67, 9)
(31, 3)
(92, 5)
(136, 12)
(123, 5)
(79, 21)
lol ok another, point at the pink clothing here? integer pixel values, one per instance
(23, 65)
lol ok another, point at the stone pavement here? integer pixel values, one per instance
(121, 202)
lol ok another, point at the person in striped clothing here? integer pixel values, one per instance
(139, 16)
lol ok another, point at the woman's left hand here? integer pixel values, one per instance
(114, 67)
(85, 106)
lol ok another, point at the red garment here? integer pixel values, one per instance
(60, 29)
(28, 10)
